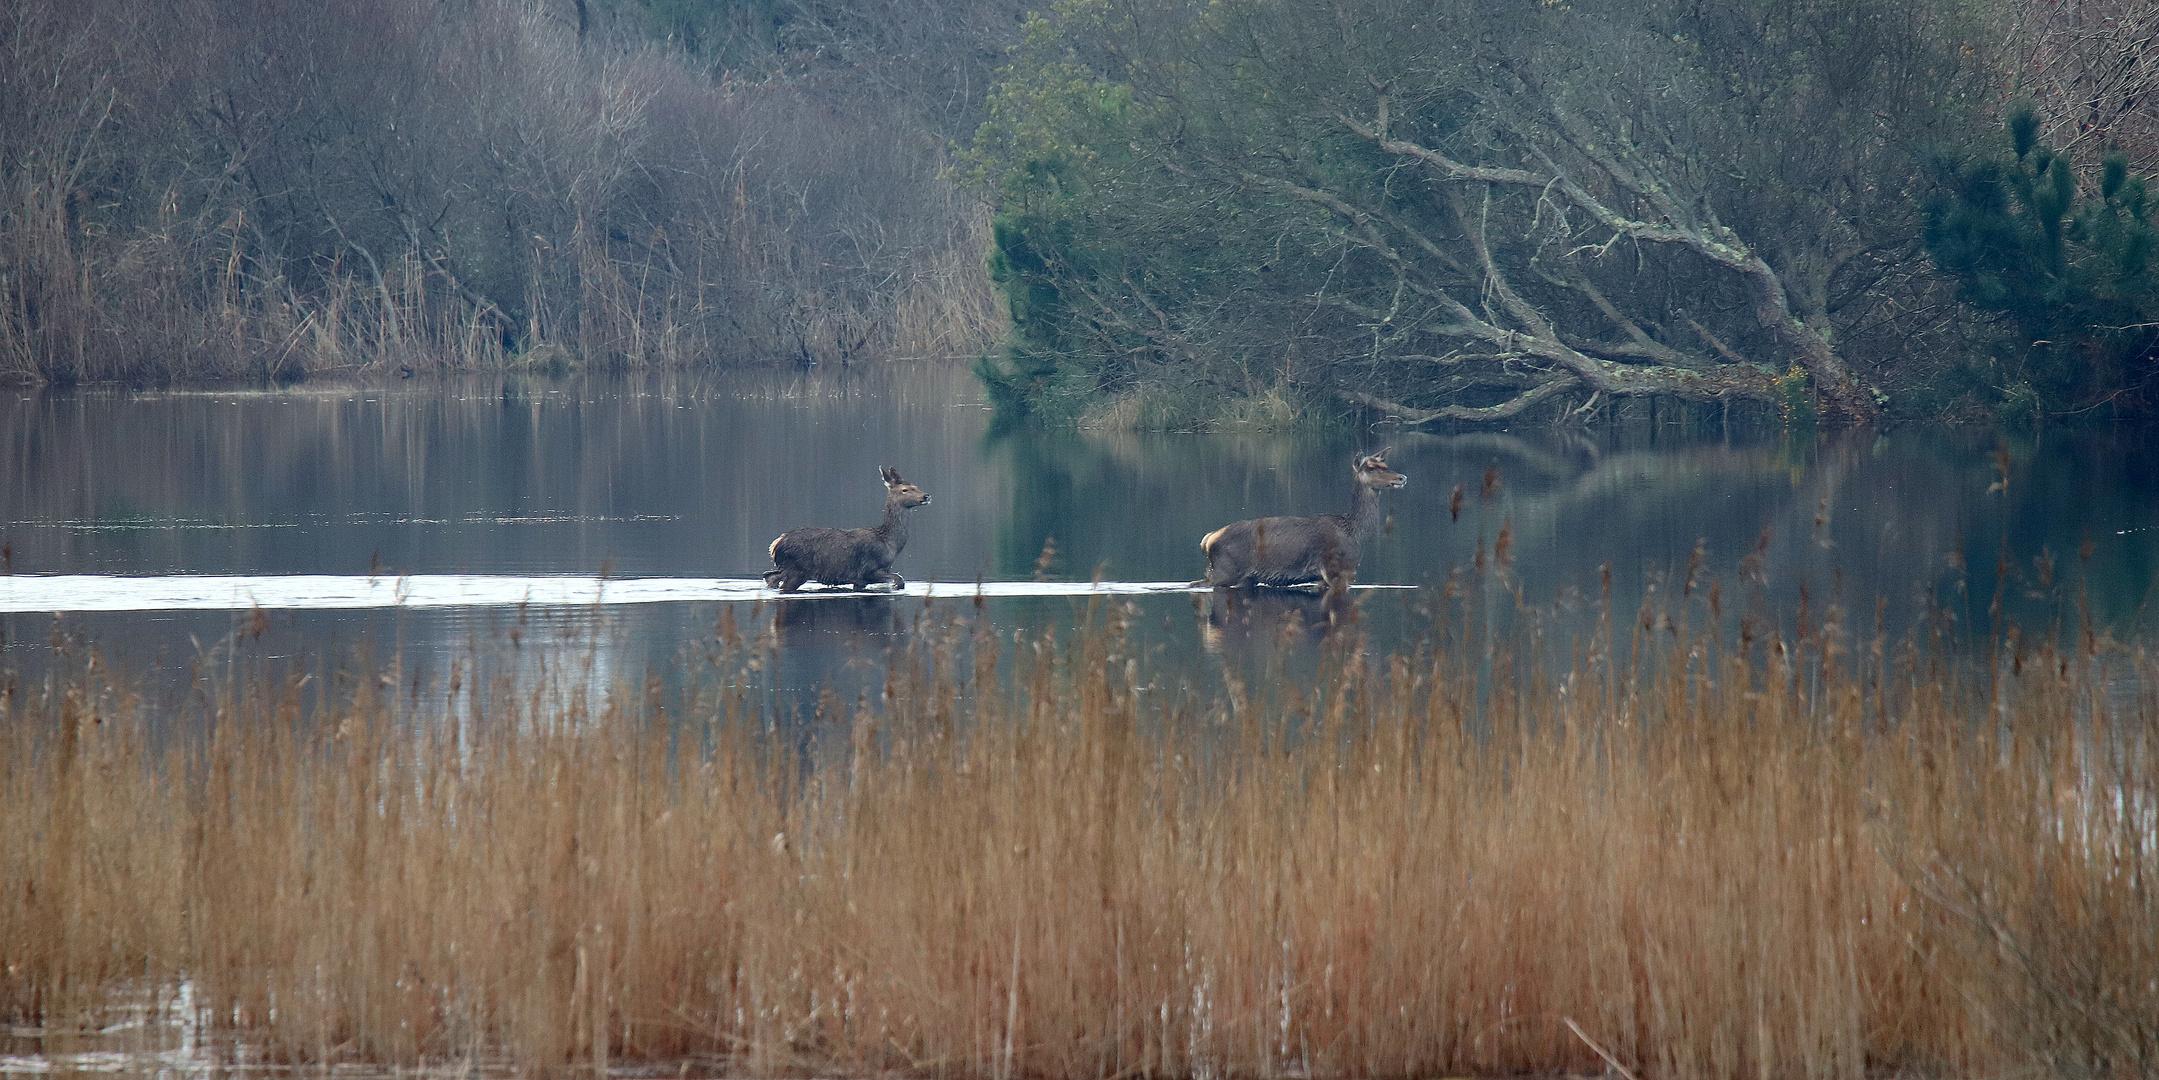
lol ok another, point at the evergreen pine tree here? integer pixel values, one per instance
(2072, 274)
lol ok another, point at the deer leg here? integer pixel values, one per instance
(1338, 608)
(1335, 583)
(792, 580)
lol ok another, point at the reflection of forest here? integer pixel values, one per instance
(1849, 518)
(693, 477)
(653, 473)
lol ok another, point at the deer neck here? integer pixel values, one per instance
(894, 530)
(1363, 506)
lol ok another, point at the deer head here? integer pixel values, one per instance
(906, 494)
(1372, 472)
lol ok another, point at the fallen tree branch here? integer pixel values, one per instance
(1845, 398)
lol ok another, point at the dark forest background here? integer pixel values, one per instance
(1156, 213)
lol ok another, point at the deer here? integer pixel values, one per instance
(1286, 551)
(857, 557)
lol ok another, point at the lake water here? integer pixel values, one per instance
(173, 531)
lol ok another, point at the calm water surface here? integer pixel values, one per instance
(659, 495)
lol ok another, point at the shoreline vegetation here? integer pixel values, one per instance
(1679, 845)
(259, 191)
(1156, 215)
(1456, 215)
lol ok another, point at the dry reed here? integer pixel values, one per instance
(1709, 855)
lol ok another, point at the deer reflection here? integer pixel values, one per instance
(835, 620)
(1240, 620)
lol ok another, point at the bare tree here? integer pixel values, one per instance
(245, 188)
(1467, 213)
(2093, 68)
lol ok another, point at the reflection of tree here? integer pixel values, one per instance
(1854, 518)
(1850, 518)
(1112, 496)
(2092, 66)
(653, 474)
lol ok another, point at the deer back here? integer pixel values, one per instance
(1280, 550)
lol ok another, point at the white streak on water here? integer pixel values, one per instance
(94, 592)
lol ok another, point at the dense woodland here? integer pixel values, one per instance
(1474, 212)
(280, 189)
(1159, 213)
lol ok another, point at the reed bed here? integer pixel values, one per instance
(1673, 852)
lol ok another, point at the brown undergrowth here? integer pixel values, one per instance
(1679, 852)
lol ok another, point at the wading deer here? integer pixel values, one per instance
(1300, 550)
(857, 557)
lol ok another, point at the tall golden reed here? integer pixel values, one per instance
(1676, 852)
